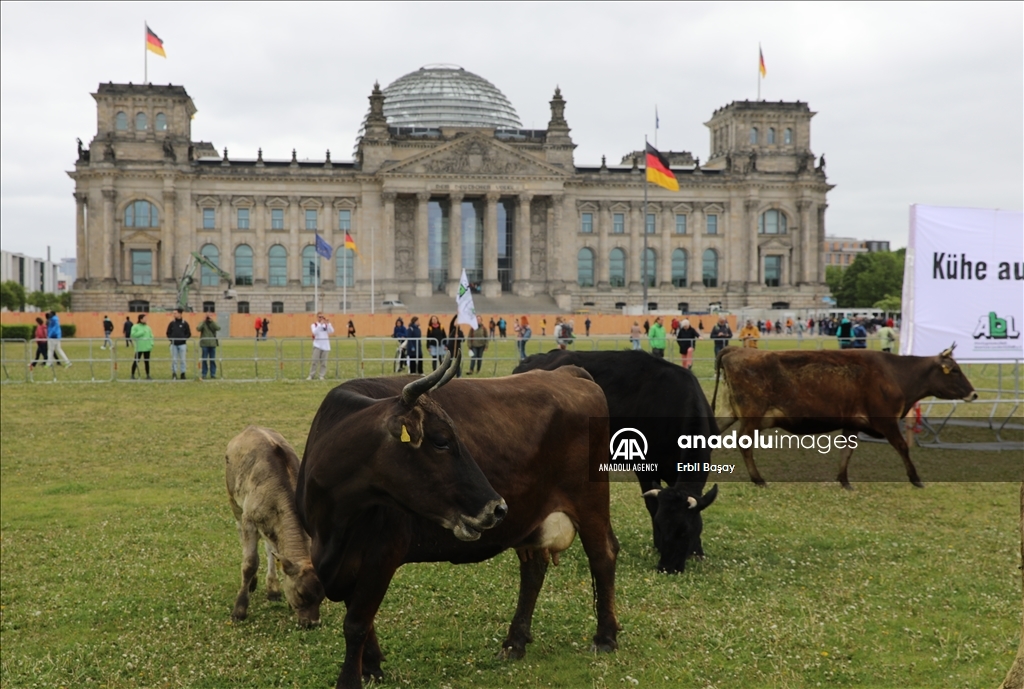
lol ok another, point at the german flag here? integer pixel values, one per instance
(658, 171)
(350, 243)
(153, 43)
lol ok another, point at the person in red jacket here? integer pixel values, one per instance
(259, 326)
(40, 339)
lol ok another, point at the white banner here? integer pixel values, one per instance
(964, 282)
(464, 303)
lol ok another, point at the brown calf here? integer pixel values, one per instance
(261, 470)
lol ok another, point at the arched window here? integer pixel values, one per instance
(585, 268)
(710, 268)
(243, 265)
(772, 222)
(679, 267)
(788, 136)
(753, 135)
(309, 266)
(210, 278)
(649, 269)
(771, 135)
(161, 122)
(140, 122)
(343, 259)
(617, 268)
(278, 264)
(121, 122)
(141, 214)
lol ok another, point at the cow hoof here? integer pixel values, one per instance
(239, 615)
(917, 483)
(760, 483)
(512, 653)
(373, 674)
(273, 596)
(604, 646)
(847, 486)
(308, 624)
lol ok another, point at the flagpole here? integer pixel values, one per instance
(316, 285)
(145, 53)
(643, 228)
(759, 58)
(344, 278)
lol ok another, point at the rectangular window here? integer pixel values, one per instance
(277, 218)
(587, 223)
(344, 221)
(311, 219)
(277, 307)
(712, 223)
(142, 267)
(619, 223)
(243, 218)
(209, 219)
(772, 270)
(209, 307)
(680, 224)
(243, 307)
(649, 226)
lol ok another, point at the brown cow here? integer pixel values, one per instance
(823, 391)
(261, 469)
(365, 492)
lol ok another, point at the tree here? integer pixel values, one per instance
(12, 296)
(45, 301)
(870, 278)
(890, 304)
(833, 278)
(65, 300)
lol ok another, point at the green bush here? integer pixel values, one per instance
(16, 332)
(68, 330)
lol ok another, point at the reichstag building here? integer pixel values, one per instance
(445, 177)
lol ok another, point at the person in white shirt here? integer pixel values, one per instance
(322, 330)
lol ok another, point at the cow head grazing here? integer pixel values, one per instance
(947, 381)
(303, 591)
(678, 524)
(429, 470)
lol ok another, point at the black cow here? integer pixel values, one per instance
(639, 386)
(380, 473)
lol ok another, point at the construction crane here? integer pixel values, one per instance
(187, 280)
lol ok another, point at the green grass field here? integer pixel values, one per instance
(120, 564)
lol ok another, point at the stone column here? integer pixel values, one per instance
(259, 258)
(634, 266)
(668, 229)
(819, 257)
(110, 238)
(803, 274)
(491, 287)
(294, 249)
(604, 228)
(330, 218)
(454, 243)
(387, 248)
(227, 255)
(421, 254)
(750, 226)
(521, 258)
(167, 225)
(695, 261)
(557, 262)
(81, 241)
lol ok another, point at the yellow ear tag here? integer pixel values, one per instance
(405, 435)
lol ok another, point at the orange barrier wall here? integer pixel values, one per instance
(90, 324)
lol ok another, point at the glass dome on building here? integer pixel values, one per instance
(437, 96)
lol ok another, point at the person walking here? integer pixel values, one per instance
(400, 333)
(503, 327)
(53, 337)
(586, 324)
(208, 330)
(322, 331)
(749, 334)
(142, 335)
(523, 335)
(721, 334)
(435, 340)
(687, 338)
(543, 327)
(351, 329)
(634, 336)
(491, 327)
(266, 327)
(844, 333)
(888, 337)
(414, 346)
(860, 335)
(647, 326)
(477, 344)
(127, 330)
(39, 337)
(259, 326)
(178, 332)
(108, 330)
(657, 337)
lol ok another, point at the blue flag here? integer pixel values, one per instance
(322, 247)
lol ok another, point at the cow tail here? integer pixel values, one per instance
(718, 374)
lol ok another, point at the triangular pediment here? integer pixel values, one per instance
(474, 156)
(775, 243)
(140, 237)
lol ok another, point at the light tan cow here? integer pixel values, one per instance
(261, 470)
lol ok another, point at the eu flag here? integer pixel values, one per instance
(322, 247)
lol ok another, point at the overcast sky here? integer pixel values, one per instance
(920, 103)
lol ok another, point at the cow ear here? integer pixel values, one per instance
(290, 568)
(705, 500)
(406, 428)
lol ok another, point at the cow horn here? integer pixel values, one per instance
(452, 370)
(412, 391)
(692, 501)
(948, 353)
(652, 493)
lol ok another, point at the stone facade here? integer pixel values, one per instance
(745, 230)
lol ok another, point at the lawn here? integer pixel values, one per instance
(120, 564)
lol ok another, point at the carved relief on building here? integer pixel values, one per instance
(474, 157)
(539, 239)
(405, 224)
